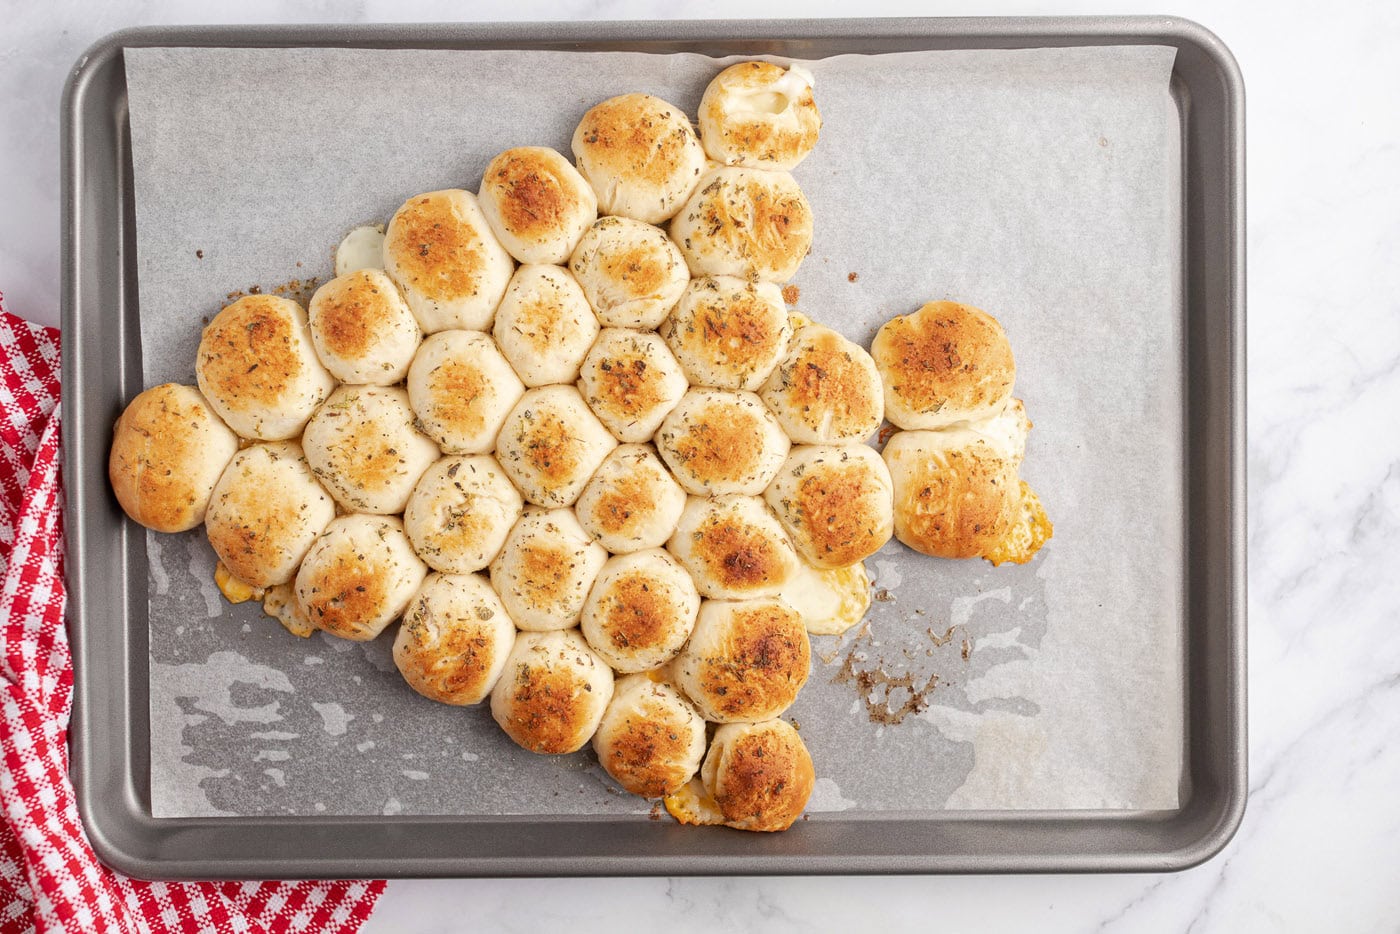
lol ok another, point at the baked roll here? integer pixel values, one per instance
(733, 547)
(632, 502)
(957, 493)
(546, 569)
(946, 363)
(718, 442)
(553, 692)
(631, 381)
(759, 774)
(728, 333)
(650, 739)
(168, 451)
(749, 223)
(461, 390)
(454, 639)
(760, 115)
(826, 389)
(460, 513)
(550, 445)
(362, 329)
(362, 445)
(265, 512)
(359, 576)
(745, 661)
(640, 611)
(544, 326)
(632, 274)
(441, 252)
(835, 502)
(640, 155)
(258, 369)
(537, 204)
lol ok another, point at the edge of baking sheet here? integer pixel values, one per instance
(106, 555)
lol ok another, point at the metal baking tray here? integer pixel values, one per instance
(107, 571)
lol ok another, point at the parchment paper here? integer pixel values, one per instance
(1041, 185)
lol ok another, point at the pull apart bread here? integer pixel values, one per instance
(611, 489)
(948, 376)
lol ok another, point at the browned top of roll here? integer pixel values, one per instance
(765, 778)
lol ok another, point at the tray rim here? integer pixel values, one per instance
(117, 820)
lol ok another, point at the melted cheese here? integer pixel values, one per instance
(774, 97)
(1032, 529)
(281, 604)
(692, 804)
(233, 589)
(830, 601)
(362, 248)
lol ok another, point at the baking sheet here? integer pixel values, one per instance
(1043, 185)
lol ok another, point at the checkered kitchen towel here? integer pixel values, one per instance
(49, 878)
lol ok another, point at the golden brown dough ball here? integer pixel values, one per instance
(257, 367)
(745, 661)
(835, 501)
(631, 381)
(640, 611)
(168, 451)
(728, 333)
(363, 330)
(759, 774)
(640, 155)
(733, 547)
(946, 363)
(537, 204)
(749, 223)
(650, 740)
(760, 115)
(826, 389)
(454, 640)
(553, 692)
(359, 576)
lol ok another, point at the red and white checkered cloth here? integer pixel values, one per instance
(49, 878)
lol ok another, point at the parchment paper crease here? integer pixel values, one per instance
(1041, 185)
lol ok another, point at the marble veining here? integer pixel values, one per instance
(1320, 845)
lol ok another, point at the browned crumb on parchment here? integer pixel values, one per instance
(890, 695)
(852, 276)
(885, 434)
(655, 812)
(199, 254)
(791, 294)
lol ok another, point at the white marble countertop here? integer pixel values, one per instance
(1320, 845)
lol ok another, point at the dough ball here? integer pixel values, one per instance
(946, 363)
(722, 442)
(640, 611)
(460, 513)
(553, 692)
(258, 369)
(551, 444)
(631, 381)
(364, 448)
(544, 325)
(826, 390)
(443, 255)
(359, 576)
(759, 774)
(650, 740)
(461, 389)
(265, 512)
(631, 273)
(537, 204)
(956, 491)
(455, 637)
(760, 115)
(168, 451)
(745, 661)
(728, 333)
(640, 155)
(362, 248)
(749, 223)
(544, 572)
(632, 502)
(363, 331)
(835, 501)
(733, 547)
